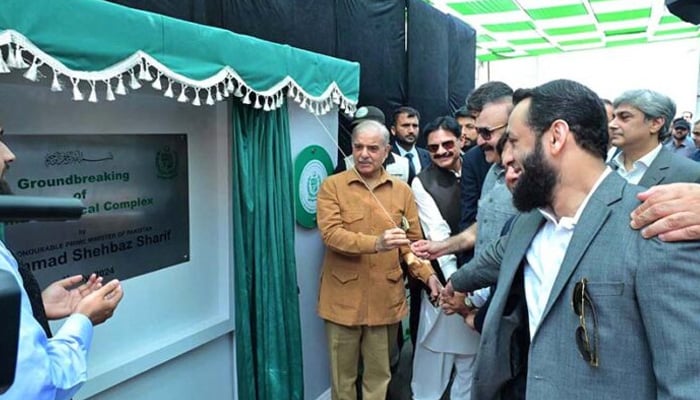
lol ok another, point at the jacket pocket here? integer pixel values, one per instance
(395, 275)
(352, 218)
(344, 276)
(596, 289)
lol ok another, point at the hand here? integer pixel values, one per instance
(61, 297)
(448, 291)
(454, 304)
(435, 289)
(670, 211)
(470, 317)
(391, 239)
(99, 305)
(429, 249)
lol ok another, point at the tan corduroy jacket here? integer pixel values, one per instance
(358, 285)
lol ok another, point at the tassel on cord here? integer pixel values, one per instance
(248, 97)
(110, 93)
(225, 91)
(219, 97)
(210, 99)
(303, 103)
(280, 100)
(266, 106)
(19, 60)
(3, 65)
(55, 83)
(93, 95)
(121, 88)
(169, 91)
(183, 95)
(196, 101)
(77, 96)
(297, 96)
(335, 97)
(145, 74)
(133, 82)
(229, 86)
(11, 58)
(156, 82)
(239, 91)
(31, 73)
(290, 91)
(257, 104)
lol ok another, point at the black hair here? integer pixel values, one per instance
(409, 111)
(445, 123)
(487, 93)
(463, 112)
(574, 103)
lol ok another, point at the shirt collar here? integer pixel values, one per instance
(403, 152)
(354, 176)
(645, 160)
(570, 222)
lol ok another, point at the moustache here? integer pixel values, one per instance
(441, 156)
(486, 147)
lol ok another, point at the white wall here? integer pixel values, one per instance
(176, 322)
(668, 67)
(307, 130)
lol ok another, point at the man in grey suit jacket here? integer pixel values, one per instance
(585, 307)
(641, 117)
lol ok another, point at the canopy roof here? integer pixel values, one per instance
(515, 28)
(106, 48)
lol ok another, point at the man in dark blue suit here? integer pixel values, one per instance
(405, 126)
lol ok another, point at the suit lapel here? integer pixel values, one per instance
(589, 224)
(523, 231)
(658, 169)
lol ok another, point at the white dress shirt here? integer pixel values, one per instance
(545, 255)
(439, 332)
(415, 159)
(639, 167)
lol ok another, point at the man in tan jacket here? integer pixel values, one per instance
(367, 219)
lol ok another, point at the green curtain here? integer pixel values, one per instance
(268, 334)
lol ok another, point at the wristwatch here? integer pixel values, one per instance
(469, 303)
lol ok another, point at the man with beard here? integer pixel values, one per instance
(54, 367)
(443, 342)
(466, 121)
(568, 316)
(680, 141)
(404, 128)
(495, 207)
(641, 117)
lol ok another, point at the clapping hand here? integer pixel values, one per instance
(61, 297)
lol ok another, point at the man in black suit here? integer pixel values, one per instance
(405, 126)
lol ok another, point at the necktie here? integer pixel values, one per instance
(411, 167)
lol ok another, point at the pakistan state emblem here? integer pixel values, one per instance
(166, 163)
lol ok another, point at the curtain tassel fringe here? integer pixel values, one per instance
(110, 94)
(77, 95)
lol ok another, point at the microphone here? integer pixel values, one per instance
(35, 208)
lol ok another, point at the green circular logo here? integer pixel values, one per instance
(311, 167)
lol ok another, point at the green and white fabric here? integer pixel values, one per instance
(515, 28)
(100, 50)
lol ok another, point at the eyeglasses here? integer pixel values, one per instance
(447, 145)
(587, 348)
(486, 133)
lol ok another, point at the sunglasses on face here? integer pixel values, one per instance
(586, 347)
(486, 133)
(447, 145)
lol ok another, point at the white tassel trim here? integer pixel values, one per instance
(22, 54)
